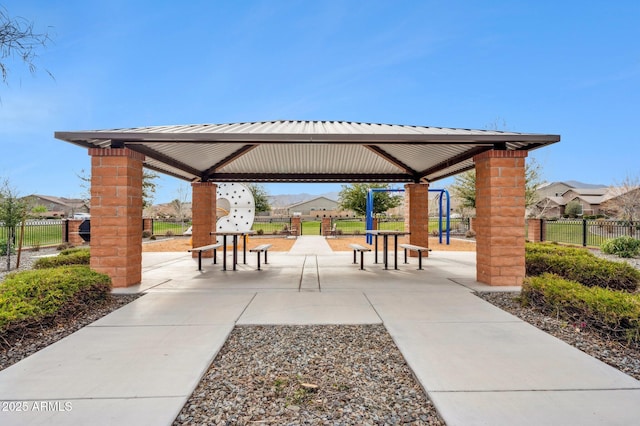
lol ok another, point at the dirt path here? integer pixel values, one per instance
(285, 244)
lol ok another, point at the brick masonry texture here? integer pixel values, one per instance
(203, 215)
(499, 224)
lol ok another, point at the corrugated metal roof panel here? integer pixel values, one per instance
(307, 150)
(307, 158)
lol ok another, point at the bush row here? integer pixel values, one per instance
(612, 313)
(30, 297)
(581, 266)
(622, 246)
(71, 256)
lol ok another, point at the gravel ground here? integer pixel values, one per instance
(27, 258)
(311, 375)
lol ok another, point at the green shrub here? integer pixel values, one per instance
(622, 247)
(31, 296)
(580, 265)
(146, 234)
(71, 256)
(613, 313)
(3, 248)
(555, 248)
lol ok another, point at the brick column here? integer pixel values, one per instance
(296, 222)
(500, 211)
(203, 215)
(536, 230)
(147, 225)
(417, 214)
(326, 226)
(73, 226)
(116, 214)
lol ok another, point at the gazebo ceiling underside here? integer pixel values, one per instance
(307, 151)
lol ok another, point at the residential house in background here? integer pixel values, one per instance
(317, 208)
(593, 199)
(57, 207)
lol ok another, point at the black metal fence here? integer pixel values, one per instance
(35, 233)
(264, 225)
(590, 233)
(169, 227)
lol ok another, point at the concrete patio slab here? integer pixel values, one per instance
(584, 408)
(456, 304)
(98, 412)
(498, 356)
(116, 362)
(179, 309)
(309, 308)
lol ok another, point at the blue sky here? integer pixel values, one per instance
(563, 67)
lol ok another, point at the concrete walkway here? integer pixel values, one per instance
(480, 365)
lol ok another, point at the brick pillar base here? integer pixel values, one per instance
(417, 215)
(500, 211)
(116, 214)
(536, 230)
(203, 213)
(147, 225)
(296, 223)
(73, 236)
(326, 226)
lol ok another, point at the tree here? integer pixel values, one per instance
(573, 209)
(179, 203)
(18, 39)
(624, 200)
(12, 212)
(149, 186)
(260, 197)
(464, 186)
(354, 197)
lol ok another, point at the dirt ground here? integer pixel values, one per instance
(285, 244)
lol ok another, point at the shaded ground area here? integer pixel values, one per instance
(285, 244)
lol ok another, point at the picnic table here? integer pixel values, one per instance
(234, 235)
(385, 245)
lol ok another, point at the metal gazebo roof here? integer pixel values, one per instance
(307, 151)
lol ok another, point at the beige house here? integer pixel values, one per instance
(316, 208)
(57, 206)
(594, 200)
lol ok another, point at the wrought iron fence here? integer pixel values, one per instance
(271, 225)
(170, 227)
(357, 226)
(589, 232)
(37, 233)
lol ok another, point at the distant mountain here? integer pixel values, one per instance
(285, 200)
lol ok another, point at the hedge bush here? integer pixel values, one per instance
(30, 296)
(622, 246)
(581, 266)
(72, 256)
(555, 248)
(612, 313)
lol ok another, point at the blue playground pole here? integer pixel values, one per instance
(369, 211)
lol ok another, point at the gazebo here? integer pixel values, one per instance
(307, 151)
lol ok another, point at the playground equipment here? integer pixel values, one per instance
(236, 201)
(369, 212)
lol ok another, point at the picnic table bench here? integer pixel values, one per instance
(358, 248)
(413, 247)
(213, 247)
(263, 248)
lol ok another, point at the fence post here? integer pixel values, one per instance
(584, 232)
